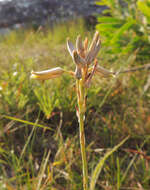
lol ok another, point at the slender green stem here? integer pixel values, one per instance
(81, 115)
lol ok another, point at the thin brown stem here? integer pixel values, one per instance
(146, 66)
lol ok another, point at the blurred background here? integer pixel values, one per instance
(18, 13)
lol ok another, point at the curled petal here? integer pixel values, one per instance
(78, 59)
(47, 74)
(103, 72)
(70, 47)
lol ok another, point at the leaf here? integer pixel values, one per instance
(100, 164)
(120, 32)
(107, 27)
(109, 19)
(107, 30)
(101, 3)
(109, 3)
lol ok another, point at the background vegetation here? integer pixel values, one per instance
(39, 147)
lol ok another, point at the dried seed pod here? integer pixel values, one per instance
(94, 48)
(95, 51)
(85, 44)
(79, 45)
(94, 41)
(47, 74)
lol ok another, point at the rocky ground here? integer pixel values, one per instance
(16, 12)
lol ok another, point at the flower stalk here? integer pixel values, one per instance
(81, 116)
(83, 57)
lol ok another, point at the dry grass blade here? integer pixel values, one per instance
(146, 66)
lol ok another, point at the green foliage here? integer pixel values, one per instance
(50, 98)
(47, 101)
(144, 7)
(14, 97)
(125, 26)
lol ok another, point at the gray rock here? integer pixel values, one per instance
(39, 12)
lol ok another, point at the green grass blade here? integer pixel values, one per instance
(100, 164)
(43, 168)
(118, 174)
(27, 142)
(27, 122)
(128, 168)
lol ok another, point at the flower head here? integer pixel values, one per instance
(83, 57)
